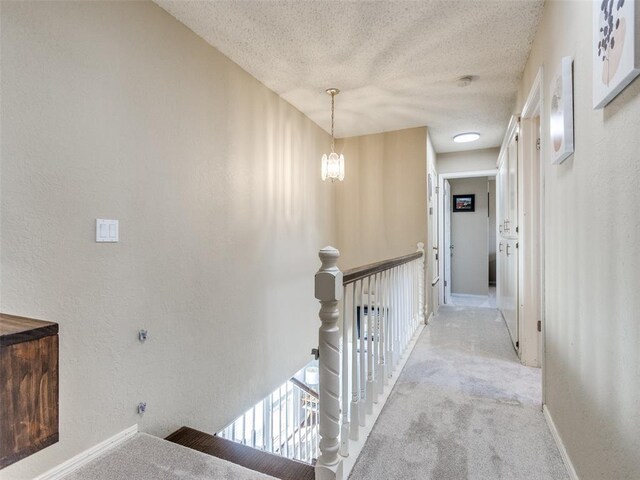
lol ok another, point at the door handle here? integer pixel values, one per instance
(508, 251)
(506, 225)
(500, 247)
(451, 250)
(500, 228)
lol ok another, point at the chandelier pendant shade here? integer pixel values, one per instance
(332, 164)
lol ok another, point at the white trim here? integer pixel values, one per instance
(532, 105)
(535, 107)
(441, 179)
(355, 447)
(472, 174)
(88, 455)
(430, 319)
(563, 451)
(512, 129)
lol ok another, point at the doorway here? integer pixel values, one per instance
(468, 263)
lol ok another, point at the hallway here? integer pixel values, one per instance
(463, 408)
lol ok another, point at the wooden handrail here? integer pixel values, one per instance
(304, 387)
(354, 274)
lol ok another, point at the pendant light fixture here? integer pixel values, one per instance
(332, 164)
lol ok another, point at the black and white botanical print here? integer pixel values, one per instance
(613, 25)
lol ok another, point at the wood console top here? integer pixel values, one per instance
(14, 329)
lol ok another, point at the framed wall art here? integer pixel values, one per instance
(616, 47)
(464, 203)
(561, 117)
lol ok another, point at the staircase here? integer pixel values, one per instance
(370, 316)
(248, 457)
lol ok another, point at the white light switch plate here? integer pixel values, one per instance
(106, 230)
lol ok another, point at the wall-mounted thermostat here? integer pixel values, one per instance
(106, 230)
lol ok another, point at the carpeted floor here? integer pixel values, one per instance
(150, 458)
(463, 408)
(461, 300)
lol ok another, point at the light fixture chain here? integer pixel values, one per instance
(333, 96)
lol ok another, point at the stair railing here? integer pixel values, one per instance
(284, 423)
(382, 308)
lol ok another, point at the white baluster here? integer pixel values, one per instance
(385, 330)
(392, 324)
(253, 427)
(344, 431)
(286, 417)
(363, 362)
(355, 386)
(296, 423)
(369, 332)
(379, 335)
(280, 415)
(328, 289)
(307, 424)
(375, 316)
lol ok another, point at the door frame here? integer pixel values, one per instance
(441, 178)
(532, 219)
(446, 245)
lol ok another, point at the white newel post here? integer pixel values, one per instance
(328, 289)
(421, 284)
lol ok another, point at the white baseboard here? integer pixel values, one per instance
(563, 451)
(88, 455)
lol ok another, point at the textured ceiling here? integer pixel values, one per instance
(396, 62)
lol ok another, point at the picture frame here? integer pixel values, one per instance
(561, 116)
(464, 203)
(616, 48)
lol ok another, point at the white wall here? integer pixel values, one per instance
(592, 279)
(468, 161)
(469, 236)
(116, 110)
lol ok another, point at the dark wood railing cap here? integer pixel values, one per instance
(304, 387)
(354, 274)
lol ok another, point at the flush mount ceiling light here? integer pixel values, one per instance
(466, 137)
(332, 164)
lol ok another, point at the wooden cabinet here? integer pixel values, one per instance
(28, 387)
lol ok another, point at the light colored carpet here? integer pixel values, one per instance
(463, 408)
(150, 458)
(480, 301)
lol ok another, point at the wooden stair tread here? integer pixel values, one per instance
(257, 460)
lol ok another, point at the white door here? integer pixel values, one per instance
(432, 245)
(447, 250)
(510, 306)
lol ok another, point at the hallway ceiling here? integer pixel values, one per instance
(396, 62)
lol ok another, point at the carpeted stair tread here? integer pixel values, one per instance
(144, 457)
(251, 458)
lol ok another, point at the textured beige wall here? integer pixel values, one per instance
(470, 239)
(592, 279)
(468, 161)
(383, 200)
(116, 110)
